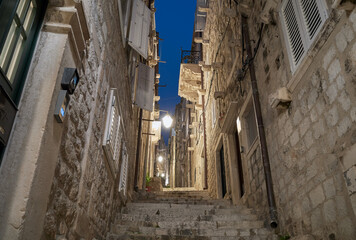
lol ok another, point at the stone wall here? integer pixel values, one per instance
(310, 143)
(84, 196)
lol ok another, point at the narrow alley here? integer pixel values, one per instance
(191, 119)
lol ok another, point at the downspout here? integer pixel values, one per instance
(146, 158)
(138, 150)
(261, 130)
(204, 120)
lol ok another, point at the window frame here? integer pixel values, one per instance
(8, 11)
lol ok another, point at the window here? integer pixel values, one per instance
(213, 113)
(19, 23)
(124, 13)
(200, 17)
(301, 22)
(251, 126)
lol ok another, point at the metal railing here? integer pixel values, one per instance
(188, 56)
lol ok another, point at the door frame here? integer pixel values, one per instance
(229, 128)
(218, 168)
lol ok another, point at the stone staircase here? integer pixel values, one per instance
(187, 215)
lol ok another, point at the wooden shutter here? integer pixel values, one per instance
(301, 21)
(314, 15)
(112, 137)
(123, 171)
(145, 87)
(140, 27)
(295, 40)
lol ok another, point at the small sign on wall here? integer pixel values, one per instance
(7, 117)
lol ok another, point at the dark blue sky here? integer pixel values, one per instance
(174, 22)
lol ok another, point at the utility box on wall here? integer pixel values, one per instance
(7, 116)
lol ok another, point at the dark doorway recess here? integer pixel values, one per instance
(223, 173)
(239, 165)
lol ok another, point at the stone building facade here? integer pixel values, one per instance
(306, 88)
(182, 173)
(67, 180)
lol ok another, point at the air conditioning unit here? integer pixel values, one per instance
(281, 98)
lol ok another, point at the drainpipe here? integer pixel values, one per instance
(261, 130)
(200, 47)
(138, 150)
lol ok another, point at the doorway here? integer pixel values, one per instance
(223, 172)
(239, 164)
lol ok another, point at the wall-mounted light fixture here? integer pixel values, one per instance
(61, 105)
(69, 83)
(70, 79)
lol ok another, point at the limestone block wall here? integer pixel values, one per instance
(308, 141)
(84, 196)
(311, 142)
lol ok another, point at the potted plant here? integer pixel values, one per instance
(148, 180)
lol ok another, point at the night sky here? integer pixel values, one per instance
(174, 23)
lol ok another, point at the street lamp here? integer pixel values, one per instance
(160, 159)
(167, 121)
(162, 175)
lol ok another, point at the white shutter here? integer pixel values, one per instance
(295, 40)
(139, 27)
(301, 22)
(314, 15)
(123, 171)
(145, 87)
(112, 138)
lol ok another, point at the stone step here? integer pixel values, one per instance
(226, 232)
(159, 205)
(184, 210)
(190, 202)
(191, 212)
(169, 237)
(186, 217)
(193, 224)
(153, 211)
(182, 194)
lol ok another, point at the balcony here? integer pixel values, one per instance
(190, 76)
